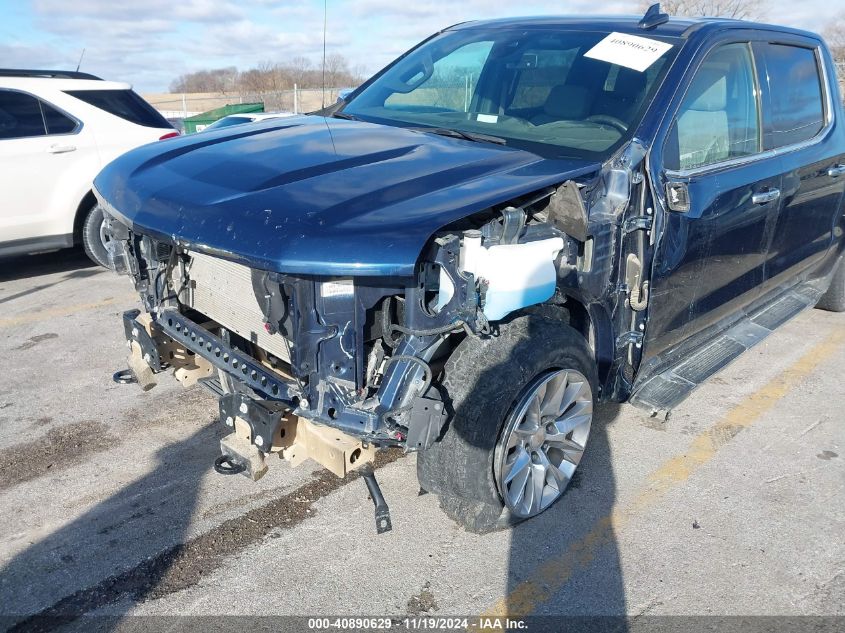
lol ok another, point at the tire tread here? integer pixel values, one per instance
(459, 466)
(834, 299)
(91, 237)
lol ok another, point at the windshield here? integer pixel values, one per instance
(229, 121)
(555, 93)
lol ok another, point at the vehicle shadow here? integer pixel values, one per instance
(566, 561)
(110, 557)
(74, 261)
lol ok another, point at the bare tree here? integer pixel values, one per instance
(273, 76)
(252, 81)
(217, 80)
(737, 9)
(834, 34)
(337, 70)
(299, 69)
(269, 79)
(359, 74)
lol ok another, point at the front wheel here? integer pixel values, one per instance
(542, 441)
(522, 406)
(94, 237)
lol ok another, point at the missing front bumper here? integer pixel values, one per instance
(260, 425)
(172, 341)
(266, 427)
(216, 351)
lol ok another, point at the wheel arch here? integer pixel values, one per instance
(592, 321)
(482, 383)
(88, 200)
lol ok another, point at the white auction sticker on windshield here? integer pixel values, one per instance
(630, 51)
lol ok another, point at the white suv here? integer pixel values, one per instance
(57, 131)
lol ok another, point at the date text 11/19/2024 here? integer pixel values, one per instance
(418, 623)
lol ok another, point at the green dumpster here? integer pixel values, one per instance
(199, 122)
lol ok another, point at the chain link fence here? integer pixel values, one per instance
(180, 106)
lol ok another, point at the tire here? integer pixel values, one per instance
(834, 299)
(484, 382)
(92, 239)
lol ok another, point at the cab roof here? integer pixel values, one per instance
(673, 27)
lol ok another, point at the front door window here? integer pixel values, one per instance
(719, 118)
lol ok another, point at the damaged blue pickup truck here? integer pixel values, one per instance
(514, 221)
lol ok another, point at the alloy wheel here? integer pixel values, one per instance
(543, 440)
(105, 238)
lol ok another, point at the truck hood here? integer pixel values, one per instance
(314, 195)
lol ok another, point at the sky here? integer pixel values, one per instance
(150, 42)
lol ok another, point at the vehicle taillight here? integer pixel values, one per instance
(169, 135)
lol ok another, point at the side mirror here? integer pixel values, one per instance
(343, 93)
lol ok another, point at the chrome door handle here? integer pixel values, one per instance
(836, 171)
(61, 149)
(762, 197)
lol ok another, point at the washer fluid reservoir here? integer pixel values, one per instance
(518, 275)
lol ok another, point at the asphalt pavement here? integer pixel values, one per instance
(735, 505)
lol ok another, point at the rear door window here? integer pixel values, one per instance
(796, 96)
(125, 104)
(20, 115)
(719, 117)
(57, 122)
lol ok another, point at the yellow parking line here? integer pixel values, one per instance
(552, 575)
(63, 311)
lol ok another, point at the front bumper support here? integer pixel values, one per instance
(136, 332)
(223, 356)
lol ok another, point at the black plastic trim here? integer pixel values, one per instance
(52, 74)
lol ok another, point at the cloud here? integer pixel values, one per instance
(148, 47)
(151, 47)
(21, 56)
(409, 23)
(150, 43)
(131, 11)
(251, 41)
(484, 9)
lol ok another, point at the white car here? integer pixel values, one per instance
(57, 131)
(245, 117)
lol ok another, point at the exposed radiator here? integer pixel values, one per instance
(222, 291)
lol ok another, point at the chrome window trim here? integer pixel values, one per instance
(827, 103)
(76, 130)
